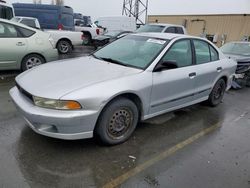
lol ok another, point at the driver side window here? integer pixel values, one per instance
(180, 52)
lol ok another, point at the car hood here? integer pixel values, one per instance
(56, 79)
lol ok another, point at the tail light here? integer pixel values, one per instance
(97, 31)
(52, 42)
(60, 27)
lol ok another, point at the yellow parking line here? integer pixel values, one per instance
(119, 180)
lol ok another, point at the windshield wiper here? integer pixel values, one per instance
(110, 60)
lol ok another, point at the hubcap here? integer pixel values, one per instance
(64, 48)
(119, 123)
(33, 62)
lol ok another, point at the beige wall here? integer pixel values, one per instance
(234, 26)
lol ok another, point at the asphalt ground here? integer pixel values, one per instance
(194, 147)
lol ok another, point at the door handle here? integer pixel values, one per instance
(20, 44)
(192, 75)
(219, 69)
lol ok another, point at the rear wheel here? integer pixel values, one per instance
(217, 93)
(87, 39)
(31, 61)
(64, 47)
(117, 122)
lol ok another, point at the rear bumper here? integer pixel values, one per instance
(66, 125)
(51, 55)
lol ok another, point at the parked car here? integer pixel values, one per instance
(115, 23)
(162, 28)
(135, 78)
(65, 40)
(240, 52)
(49, 16)
(23, 47)
(109, 37)
(89, 29)
(6, 10)
(29, 21)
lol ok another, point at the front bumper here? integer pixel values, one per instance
(61, 124)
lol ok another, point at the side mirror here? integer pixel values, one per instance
(165, 65)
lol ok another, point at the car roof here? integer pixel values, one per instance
(166, 36)
(239, 42)
(17, 24)
(165, 24)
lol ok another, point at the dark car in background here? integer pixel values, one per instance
(109, 37)
(49, 16)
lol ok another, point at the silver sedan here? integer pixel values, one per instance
(132, 79)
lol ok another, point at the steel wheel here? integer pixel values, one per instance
(117, 121)
(120, 123)
(217, 93)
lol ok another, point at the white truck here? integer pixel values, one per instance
(90, 30)
(117, 23)
(64, 40)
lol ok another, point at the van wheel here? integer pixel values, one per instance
(217, 93)
(31, 61)
(64, 47)
(117, 122)
(87, 39)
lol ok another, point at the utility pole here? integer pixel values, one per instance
(137, 9)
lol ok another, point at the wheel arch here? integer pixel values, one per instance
(64, 39)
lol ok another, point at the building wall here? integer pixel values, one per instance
(234, 26)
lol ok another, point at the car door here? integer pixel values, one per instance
(12, 46)
(174, 88)
(208, 67)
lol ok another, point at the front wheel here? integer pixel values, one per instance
(217, 93)
(117, 122)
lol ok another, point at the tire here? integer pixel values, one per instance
(217, 93)
(87, 39)
(31, 61)
(117, 122)
(64, 47)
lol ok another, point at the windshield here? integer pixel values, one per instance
(133, 51)
(151, 28)
(236, 49)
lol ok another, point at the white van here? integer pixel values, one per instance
(115, 23)
(6, 10)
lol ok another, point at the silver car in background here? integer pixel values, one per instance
(132, 79)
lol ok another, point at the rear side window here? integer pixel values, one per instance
(8, 31)
(202, 52)
(214, 54)
(181, 53)
(170, 30)
(26, 32)
(30, 23)
(179, 30)
(68, 20)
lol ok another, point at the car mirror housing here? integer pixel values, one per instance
(165, 65)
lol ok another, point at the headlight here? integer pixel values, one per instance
(56, 104)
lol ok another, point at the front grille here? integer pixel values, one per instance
(25, 93)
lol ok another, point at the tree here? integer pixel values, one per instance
(37, 1)
(58, 2)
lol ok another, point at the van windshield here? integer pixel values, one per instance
(6, 12)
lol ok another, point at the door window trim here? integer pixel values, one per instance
(209, 45)
(192, 50)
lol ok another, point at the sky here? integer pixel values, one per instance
(98, 8)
